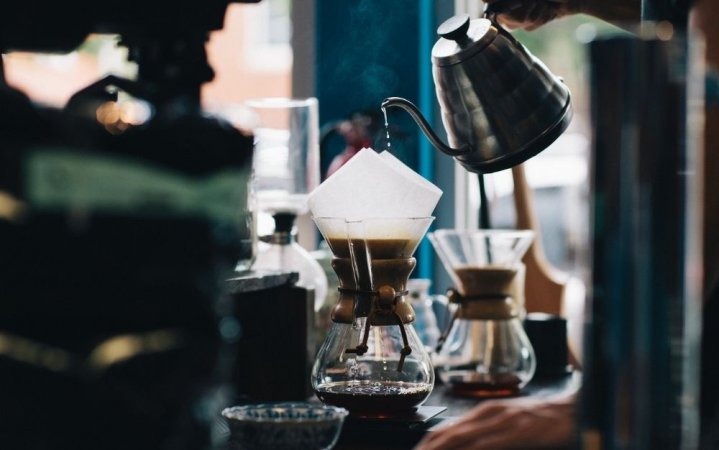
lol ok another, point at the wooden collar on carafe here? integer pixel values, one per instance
(388, 307)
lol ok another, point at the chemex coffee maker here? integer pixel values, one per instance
(484, 351)
(372, 361)
(114, 243)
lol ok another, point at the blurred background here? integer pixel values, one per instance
(351, 55)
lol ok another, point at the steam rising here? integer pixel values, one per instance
(362, 54)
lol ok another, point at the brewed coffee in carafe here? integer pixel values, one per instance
(485, 352)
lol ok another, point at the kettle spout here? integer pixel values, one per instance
(423, 125)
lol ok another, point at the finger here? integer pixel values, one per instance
(545, 16)
(501, 441)
(487, 409)
(489, 439)
(455, 437)
(485, 415)
(461, 433)
(520, 433)
(512, 25)
(534, 12)
(508, 22)
(528, 15)
(442, 437)
(503, 6)
(534, 25)
(548, 426)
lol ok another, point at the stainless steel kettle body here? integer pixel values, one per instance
(500, 104)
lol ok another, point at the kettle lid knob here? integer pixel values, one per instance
(455, 28)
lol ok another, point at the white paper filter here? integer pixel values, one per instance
(373, 185)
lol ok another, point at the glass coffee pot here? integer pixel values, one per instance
(372, 362)
(485, 351)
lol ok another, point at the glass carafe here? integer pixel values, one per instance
(485, 352)
(372, 362)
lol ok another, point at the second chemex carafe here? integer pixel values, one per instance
(372, 361)
(485, 351)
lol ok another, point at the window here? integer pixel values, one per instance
(268, 30)
(251, 56)
(52, 79)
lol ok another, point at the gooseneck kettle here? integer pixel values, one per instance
(500, 104)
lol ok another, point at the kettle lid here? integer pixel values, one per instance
(461, 38)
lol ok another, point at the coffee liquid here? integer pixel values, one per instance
(468, 383)
(372, 397)
(374, 250)
(378, 248)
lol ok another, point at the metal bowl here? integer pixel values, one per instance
(285, 426)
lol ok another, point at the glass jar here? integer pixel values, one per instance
(281, 252)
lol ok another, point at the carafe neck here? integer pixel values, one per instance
(379, 285)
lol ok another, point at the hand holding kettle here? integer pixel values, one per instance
(532, 14)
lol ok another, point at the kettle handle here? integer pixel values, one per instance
(424, 126)
(490, 13)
